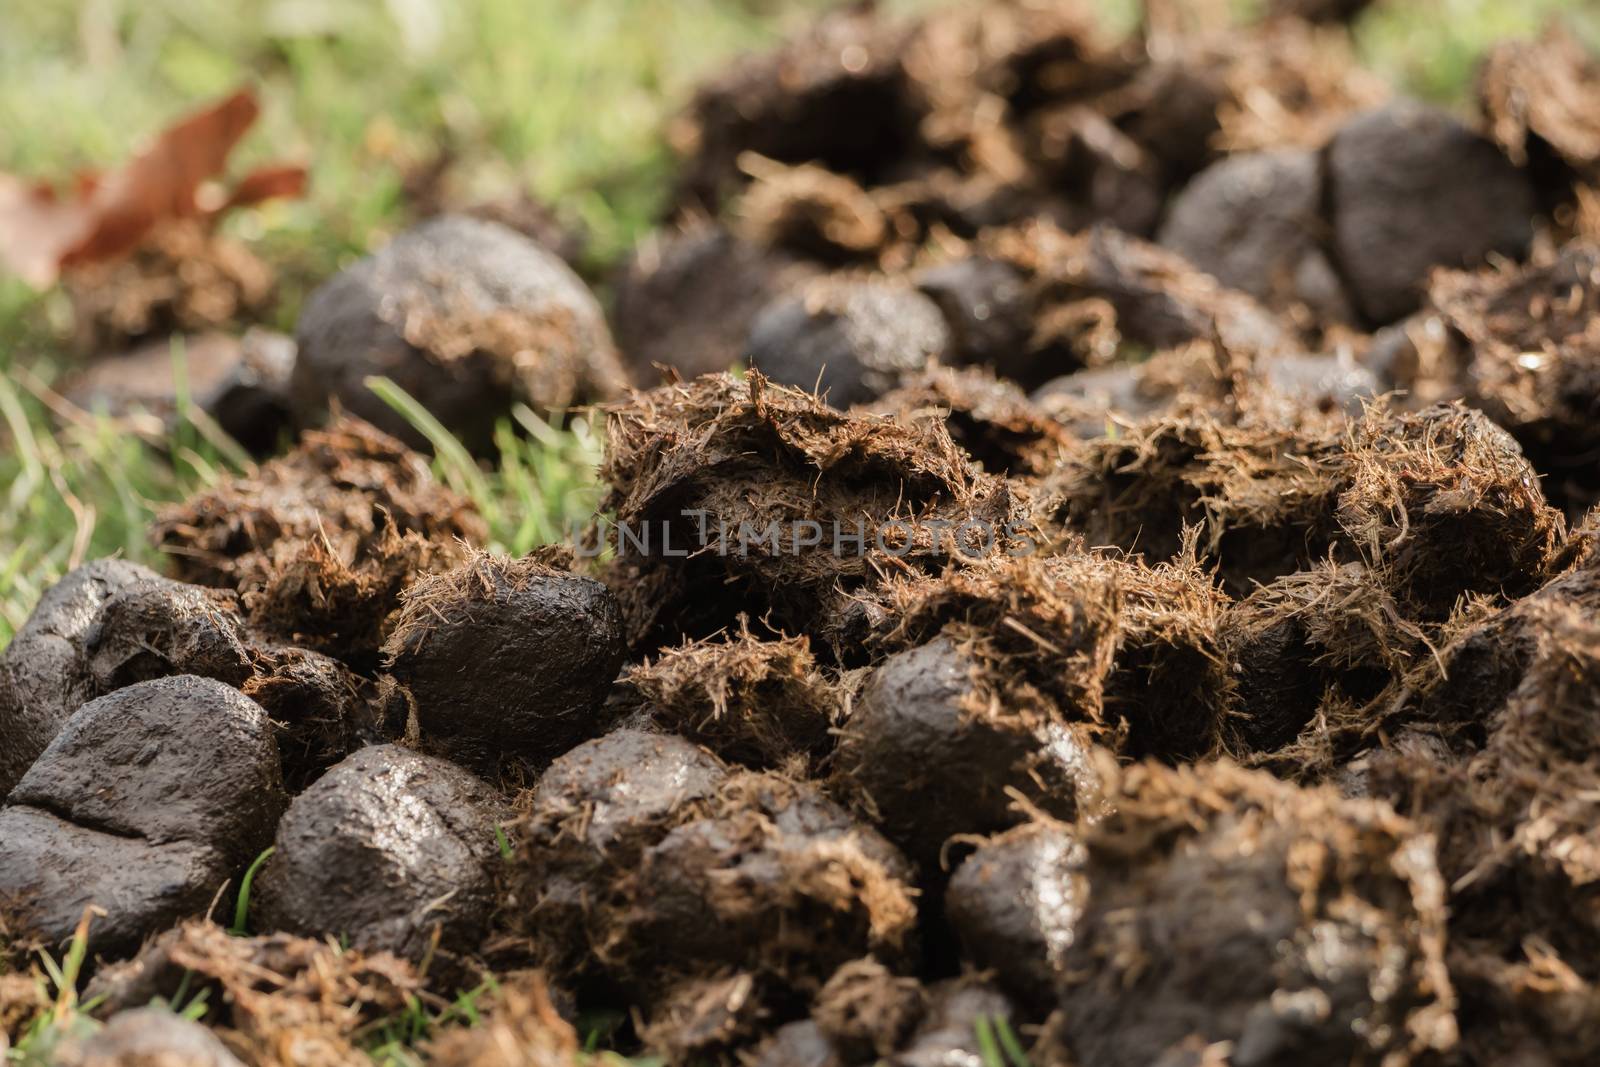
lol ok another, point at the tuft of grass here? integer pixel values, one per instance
(998, 1044)
(541, 486)
(241, 907)
(67, 1018)
(392, 1042)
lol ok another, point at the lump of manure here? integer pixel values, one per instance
(591, 816)
(467, 317)
(848, 340)
(1410, 189)
(774, 878)
(391, 849)
(1329, 915)
(811, 211)
(1442, 502)
(750, 701)
(1209, 90)
(834, 94)
(1093, 296)
(704, 1018)
(721, 484)
(992, 420)
(1540, 100)
(1515, 813)
(642, 861)
(986, 309)
(1529, 341)
(157, 628)
(1256, 491)
(320, 542)
(1128, 650)
(1334, 627)
(1253, 221)
(44, 677)
(1100, 401)
(144, 804)
(866, 1010)
(1015, 905)
(505, 661)
(685, 299)
(933, 750)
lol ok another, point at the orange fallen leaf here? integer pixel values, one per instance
(43, 233)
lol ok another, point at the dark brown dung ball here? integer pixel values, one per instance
(157, 628)
(1410, 189)
(933, 751)
(144, 804)
(593, 813)
(987, 309)
(386, 848)
(1326, 634)
(685, 300)
(1253, 221)
(849, 340)
(43, 674)
(772, 878)
(1015, 905)
(1539, 99)
(992, 420)
(740, 497)
(466, 316)
(506, 660)
(1227, 906)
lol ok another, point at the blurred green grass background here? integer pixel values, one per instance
(566, 96)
